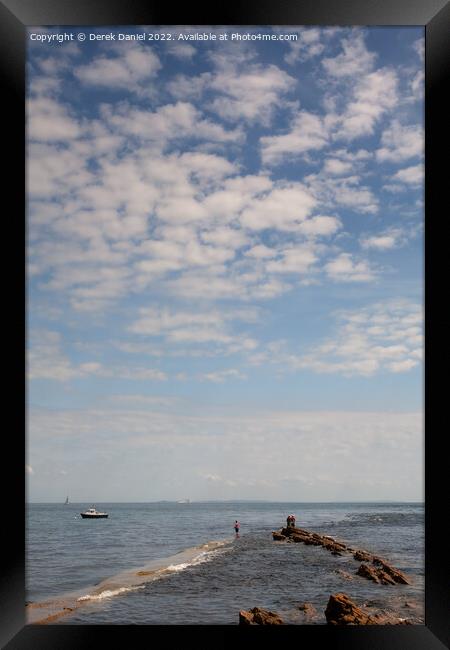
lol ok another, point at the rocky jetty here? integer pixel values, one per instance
(311, 539)
(340, 610)
(381, 572)
(343, 611)
(259, 616)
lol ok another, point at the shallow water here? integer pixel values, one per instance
(127, 568)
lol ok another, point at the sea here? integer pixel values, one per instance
(170, 563)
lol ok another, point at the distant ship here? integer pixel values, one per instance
(184, 501)
(66, 501)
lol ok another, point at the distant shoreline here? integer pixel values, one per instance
(229, 501)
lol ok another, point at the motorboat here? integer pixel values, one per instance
(92, 513)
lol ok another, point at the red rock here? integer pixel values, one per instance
(344, 574)
(245, 618)
(375, 574)
(363, 556)
(308, 609)
(395, 574)
(278, 536)
(342, 611)
(259, 616)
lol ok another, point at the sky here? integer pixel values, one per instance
(225, 264)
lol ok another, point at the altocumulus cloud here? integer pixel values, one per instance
(196, 214)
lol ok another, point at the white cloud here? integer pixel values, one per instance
(400, 142)
(251, 95)
(188, 88)
(373, 454)
(355, 59)
(319, 226)
(221, 376)
(337, 167)
(307, 132)
(297, 259)
(418, 86)
(391, 238)
(136, 373)
(410, 175)
(381, 337)
(227, 237)
(133, 66)
(47, 360)
(342, 191)
(261, 252)
(181, 50)
(419, 47)
(282, 208)
(307, 45)
(198, 328)
(227, 202)
(51, 171)
(168, 122)
(374, 95)
(50, 121)
(403, 366)
(345, 269)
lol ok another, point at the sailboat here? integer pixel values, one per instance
(66, 501)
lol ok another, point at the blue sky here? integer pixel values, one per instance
(225, 265)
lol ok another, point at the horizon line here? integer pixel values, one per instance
(233, 501)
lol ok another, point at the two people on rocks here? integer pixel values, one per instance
(290, 521)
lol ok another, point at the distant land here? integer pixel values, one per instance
(225, 501)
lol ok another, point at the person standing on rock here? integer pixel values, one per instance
(236, 527)
(293, 521)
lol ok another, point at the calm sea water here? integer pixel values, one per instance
(96, 563)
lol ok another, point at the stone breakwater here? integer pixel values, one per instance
(379, 570)
(340, 610)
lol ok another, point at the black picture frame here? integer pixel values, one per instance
(15, 16)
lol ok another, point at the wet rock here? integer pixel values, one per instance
(259, 616)
(309, 610)
(245, 618)
(381, 571)
(312, 539)
(278, 536)
(375, 574)
(344, 574)
(392, 572)
(343, 611)
(363, 556)
(295, 532)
